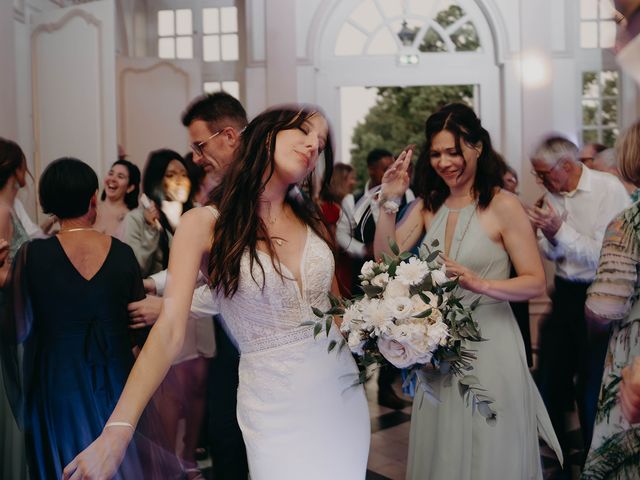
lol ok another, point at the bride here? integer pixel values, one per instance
(268, 263)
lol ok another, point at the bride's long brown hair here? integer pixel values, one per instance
(239, 227)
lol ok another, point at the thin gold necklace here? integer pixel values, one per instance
(79, 229)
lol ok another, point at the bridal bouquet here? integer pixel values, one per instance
(410, 317)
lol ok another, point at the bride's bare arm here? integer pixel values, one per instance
(191, 242)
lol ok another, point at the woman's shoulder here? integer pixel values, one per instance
(505, 203)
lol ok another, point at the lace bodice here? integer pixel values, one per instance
(262, 319)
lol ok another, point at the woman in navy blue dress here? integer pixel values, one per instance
(69, 310)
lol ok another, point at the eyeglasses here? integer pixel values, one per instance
(197, 146)
(543, 175)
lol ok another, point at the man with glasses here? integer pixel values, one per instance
(215, 123)
(570, 221)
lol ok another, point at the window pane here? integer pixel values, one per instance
(609, 136)
(383, 44)
(211, 48)
(165, 23)
(367, 16)
(607, 10)
(210, 20)
(610, 113)
(589, 35)
(449, 16)
(229, 19)
(166, 48)
(184, 47)
(609, 83)
(607, 34)
(589, 112)
(590, 136)
(590, 84)
(230, 47)
(466, 38)
(211, 87)
(232, 88)
(350, 41)
(588, 9)
(183, 22)
(432, 42)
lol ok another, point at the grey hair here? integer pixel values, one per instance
(607, 157)
(552, 149)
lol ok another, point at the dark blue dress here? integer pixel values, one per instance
(77, 356)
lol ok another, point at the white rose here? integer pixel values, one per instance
(437, 333)
(413, 335)
(395, 288)
(412, 272)
(396, 352)
(356, 343)
(380, 280)
(399, 307)
(439, 276)
(367, 269)
(418, 305)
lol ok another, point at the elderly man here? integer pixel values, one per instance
(570, 221)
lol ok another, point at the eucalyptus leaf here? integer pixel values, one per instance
(331, 346)
(317, 329)
(327, 324)
(394, 246)
(335, 301)
(435, 243)
(424, 314)
(405, 256)
(372, 291)
(308, 323)
(335, 311)
(317, 312)
(432, 256)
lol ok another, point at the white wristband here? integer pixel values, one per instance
(120, 424)
(390, 207)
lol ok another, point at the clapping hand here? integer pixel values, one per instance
(630, 391)
(395, 180)
(546, 219)
(466, 278)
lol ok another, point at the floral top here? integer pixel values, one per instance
(613, 298)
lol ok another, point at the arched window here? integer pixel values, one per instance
(408, 29)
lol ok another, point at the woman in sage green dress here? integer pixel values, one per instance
(612, 300)
(480, 229)
(13, 169)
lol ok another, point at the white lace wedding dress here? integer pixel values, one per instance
(299, 415)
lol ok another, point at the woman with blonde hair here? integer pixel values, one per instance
(612, 303)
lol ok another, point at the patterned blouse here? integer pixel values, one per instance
(613, 298)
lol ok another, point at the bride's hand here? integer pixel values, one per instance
(101, 459)
(395, 180)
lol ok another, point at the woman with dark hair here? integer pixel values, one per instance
(13, 170)
(68, 314)
(480, 228)
(268, 262)
(149, 229)
(120, 195)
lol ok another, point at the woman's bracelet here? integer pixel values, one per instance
(390, 206)
(120, 424)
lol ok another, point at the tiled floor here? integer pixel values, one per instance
(390, 442)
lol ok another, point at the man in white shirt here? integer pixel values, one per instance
(215, 123)
(570, 221)
(355, 232)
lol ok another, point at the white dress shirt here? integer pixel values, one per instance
(586, 212)
(351, 214)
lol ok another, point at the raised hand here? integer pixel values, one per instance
(395, 180)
